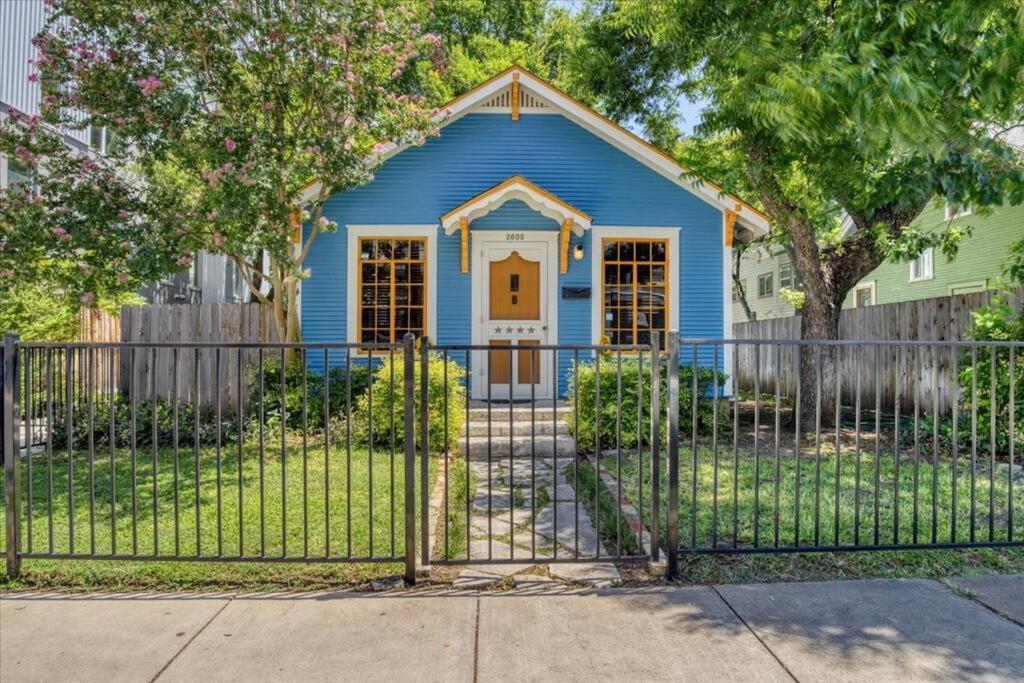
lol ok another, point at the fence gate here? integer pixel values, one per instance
(532, 480)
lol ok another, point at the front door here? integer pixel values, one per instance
(515, 315)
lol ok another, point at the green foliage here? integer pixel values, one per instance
(143, 412)
(297, 380)
(380, 412)
(38, 312)
(634, 399)
(794, 297)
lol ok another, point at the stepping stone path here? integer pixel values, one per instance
(506, 523)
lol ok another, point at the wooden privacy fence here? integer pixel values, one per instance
(184, 323)
(924, 371)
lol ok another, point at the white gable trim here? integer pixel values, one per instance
(590, 120)
(519, 188)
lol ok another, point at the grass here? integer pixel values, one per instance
(766, 510)
(460, 487)
(615, 533)
(330, 503)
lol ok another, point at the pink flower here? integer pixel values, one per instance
(379, 148)
(122, 277)
(323, 221)
(149, 84)
(33, 77)
(61, 234)
(267, 106)
(230, 145)
(87, 298)
(139, 17)
(218, 239)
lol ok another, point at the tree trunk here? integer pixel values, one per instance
(819, 321)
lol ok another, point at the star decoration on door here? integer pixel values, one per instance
(530, 329)
(497, 330)
(508, 330)
(520, 330)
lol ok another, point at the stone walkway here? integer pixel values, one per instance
(508, 524)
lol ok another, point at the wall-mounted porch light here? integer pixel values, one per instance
(577, 252)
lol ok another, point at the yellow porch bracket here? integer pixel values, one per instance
(730, 227)
(566, 235)
(464, 227)
(515, 96)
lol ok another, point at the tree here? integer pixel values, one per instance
(865, 109)
(227, 110)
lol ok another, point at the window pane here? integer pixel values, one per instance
(366, 250)
(625, 251)
(658, 251)
(611, 250)
(401, 249)
(643, 251)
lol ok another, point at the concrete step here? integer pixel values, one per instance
(519, 428)
(522, 447)
(519, 412)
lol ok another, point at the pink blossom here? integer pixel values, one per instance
(267, 106)
(122, 277)
(139, 17)
(379, 148)
(149, 84)
(218, 239)
(61, 234)
(396, 73)
(323, 221)
(87, 298)
(33, 77)
(230, 145)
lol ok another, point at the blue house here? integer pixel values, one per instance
(531, 219)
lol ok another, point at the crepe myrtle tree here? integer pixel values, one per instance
(80, 227)
(231, 108)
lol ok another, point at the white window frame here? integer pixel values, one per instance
(354, 233)
(625, 232)
(927, 256)
(870, 284)
(954, 211)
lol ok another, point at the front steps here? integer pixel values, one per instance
(542, 432)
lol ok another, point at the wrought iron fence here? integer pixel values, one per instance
(565, 453)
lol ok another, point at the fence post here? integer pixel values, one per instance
(425, 451)
(11, 457)
(673, 454)
(409, 383)
(655, 449)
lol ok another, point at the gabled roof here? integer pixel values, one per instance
(550, 97)
(516, 187)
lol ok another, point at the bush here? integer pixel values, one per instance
(610, 407)
(293, 378)
(143, 425)
(384, 392)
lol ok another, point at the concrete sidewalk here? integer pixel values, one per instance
(841, 630)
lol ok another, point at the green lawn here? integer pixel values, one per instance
(756, 490)
(352, 505)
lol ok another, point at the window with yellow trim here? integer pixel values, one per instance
(635, 285)
(392, 288)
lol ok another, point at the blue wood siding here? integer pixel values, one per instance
(477, 152)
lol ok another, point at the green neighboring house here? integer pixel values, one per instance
(764, 271)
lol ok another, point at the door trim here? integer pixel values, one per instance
(478, 239)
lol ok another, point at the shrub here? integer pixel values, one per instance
(143, 425)
(384, 392)
(293, 387)
(610, 406)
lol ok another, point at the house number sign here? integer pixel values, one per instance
(515, 236)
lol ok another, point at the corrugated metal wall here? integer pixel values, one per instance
(20, 21)
(479, 151)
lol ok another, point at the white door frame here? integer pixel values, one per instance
(479, 272)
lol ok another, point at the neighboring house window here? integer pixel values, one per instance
(864, 295)
(956, 211)
(392, 288)
(787, 276)
(17, 174)
(635, 290)
(922, 268)
(102, 139)
(765, 285)
(234, 285)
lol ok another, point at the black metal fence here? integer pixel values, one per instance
(370, 453)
